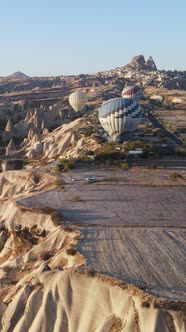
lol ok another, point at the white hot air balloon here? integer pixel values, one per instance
(120, 117)
(78, 100)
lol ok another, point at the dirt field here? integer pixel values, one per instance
(133, 232)
(175, 117)
(117, 205)
(156, 256)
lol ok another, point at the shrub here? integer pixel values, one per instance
(109, 147)
(112, 156)
(124, 165)
(181, 152)
(60, 184)
(35, 178)
(56, 216)
(156, 131)
(7, 268)
(33, 240)
(90, 273)
(90, 153)
(65, 165)
(101, 140)
(152, 166)
(88, 131)
(13, 281)
(39, 156)
(148, 131)
(71, 252)
(145, 304)
(85, 159)
(132, 145)
(45, 210)
(45, 255)
(159, 216)
(66, 168)
(144, 155)
(175, 176)
(161, 139)
(169, 305)
(184, 144)
(166, 103)
(75, 198)
(158, 304)
(67, 229)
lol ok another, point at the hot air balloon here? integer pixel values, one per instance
(132, 91)
(120, 117)
(78, 100)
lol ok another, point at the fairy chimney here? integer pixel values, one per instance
(8, 133)
(10, 149)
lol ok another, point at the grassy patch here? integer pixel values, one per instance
(75, 198)
(175, 176)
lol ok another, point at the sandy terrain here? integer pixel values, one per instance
(70, 302)
(41, 288)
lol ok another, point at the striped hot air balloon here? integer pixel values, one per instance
(132, 91)
(120, 117)
(78, 100)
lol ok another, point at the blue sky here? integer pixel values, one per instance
(61, 37)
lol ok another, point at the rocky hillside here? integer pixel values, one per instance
(17, 75)
(37, 105)
(138, 71)
(65, 141)
(145, 73)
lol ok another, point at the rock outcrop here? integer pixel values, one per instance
(151, 64)
(38, 120)
(8, 132)
(10, 149)
(41, 104)
(64, 141)
(69, 301)
(145, 73)
(17, 76)
(139, 63)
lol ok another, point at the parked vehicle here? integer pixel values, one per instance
(90, 180)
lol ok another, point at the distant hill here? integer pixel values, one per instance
(17, 75)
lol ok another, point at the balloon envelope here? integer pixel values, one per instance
(120, 117)
(132, 91)
(78, 100)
